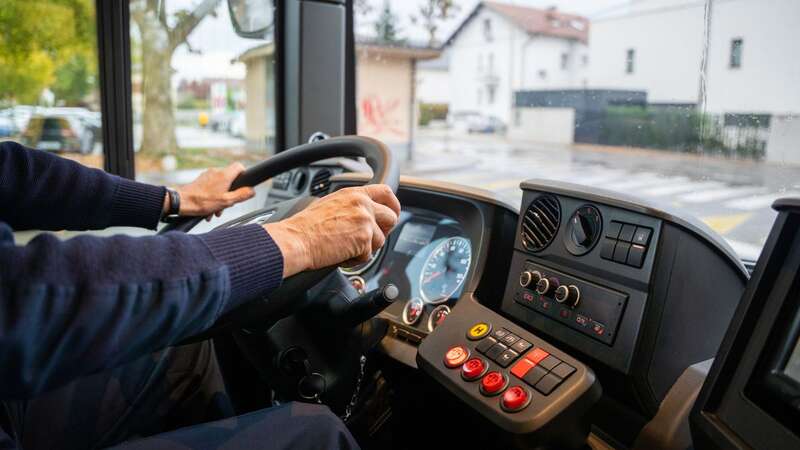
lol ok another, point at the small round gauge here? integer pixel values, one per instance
(358, 269)
(445, 270)
(583, 230)
(437, 316)
(413, 311)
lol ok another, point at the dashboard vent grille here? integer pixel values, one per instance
(321, 183)
(540, 223)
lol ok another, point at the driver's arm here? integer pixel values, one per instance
(39, 190)
(74, 307)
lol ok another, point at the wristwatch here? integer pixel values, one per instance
(174, 205)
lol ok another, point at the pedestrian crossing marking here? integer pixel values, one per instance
(725, 223)
(755, 202)
(710, 195)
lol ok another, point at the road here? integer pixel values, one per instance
(732, 197)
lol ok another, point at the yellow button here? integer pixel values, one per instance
(479, 330)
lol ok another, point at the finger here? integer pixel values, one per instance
(239, 195)
(383, 194)
(218, 213)
(234, 169)
(378, 238)
(208, 218)
(384, 217)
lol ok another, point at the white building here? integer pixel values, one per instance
(752, 69)
(500, 48)
(433, 80)
(657, 46)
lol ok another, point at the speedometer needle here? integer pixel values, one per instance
(431, 277)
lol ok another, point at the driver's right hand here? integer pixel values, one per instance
(345, 226)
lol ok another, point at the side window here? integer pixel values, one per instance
(630, 57)
(202, 96)
(736, 53)
(49, 92)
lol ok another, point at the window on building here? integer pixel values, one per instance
(585, 60)
(564, 61)
(490, 63)
(487, 29)
(736, 53)
(543, 74)
(630, 56)
(480, 63)
(490, 93)
(480, 96)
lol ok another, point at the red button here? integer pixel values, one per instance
(493, 383)
(456, 356)
(473, 369)
(515, 399)
(522, 367)
(536, 355)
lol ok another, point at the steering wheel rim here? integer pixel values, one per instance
(385, 171)
(377, 154)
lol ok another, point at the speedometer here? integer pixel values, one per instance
(445, 270)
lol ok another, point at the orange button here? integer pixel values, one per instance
(456, 356)
(522, 367)
(536, 355)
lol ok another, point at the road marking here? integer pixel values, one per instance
(712, 195)
(725, 223)
(677, 186)
(635, 181)
(754, 202)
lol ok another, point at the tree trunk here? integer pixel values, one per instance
(158, 119)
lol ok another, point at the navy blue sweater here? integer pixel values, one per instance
(74, 307)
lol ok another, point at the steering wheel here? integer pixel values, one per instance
(385, 171)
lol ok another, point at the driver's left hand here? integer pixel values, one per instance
(208, 194)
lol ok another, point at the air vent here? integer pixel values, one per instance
(321, 183)
(540, 223)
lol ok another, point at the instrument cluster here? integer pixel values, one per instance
(428, 258)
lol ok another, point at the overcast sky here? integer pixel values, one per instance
(217, 44)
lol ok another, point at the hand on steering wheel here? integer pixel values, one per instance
(346, 226)
(373, 213)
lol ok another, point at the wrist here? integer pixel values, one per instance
(292, 246)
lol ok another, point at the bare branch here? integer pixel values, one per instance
(188, 21)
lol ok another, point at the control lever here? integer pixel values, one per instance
(365, 306)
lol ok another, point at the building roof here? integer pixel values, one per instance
(402, 50)
(545, 22)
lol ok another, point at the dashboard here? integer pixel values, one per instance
(626, 291)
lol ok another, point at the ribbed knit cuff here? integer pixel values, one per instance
(254, 261)
(137, 204)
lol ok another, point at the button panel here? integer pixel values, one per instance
(503, 386)
(626, 243)
(542, 371)
(596, 310)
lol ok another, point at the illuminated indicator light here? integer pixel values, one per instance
(456, 356)
(536, 355)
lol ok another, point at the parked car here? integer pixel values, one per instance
(486, 124)
(60, 132)
(459, 121)
(238, 124)
(7, 127)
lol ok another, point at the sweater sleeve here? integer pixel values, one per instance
(75, 307)
(39, 190)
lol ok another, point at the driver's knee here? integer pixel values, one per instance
(322, 428)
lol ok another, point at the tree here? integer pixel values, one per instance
(158, 41)
(40, 40)
(431, 14)
(386, 29)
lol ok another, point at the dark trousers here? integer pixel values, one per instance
(179, 392)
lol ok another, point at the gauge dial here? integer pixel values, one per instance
(445, 270)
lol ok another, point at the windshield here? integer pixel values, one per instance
(690, 103)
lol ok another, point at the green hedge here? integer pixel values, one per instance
(432, 111)
(676, 129)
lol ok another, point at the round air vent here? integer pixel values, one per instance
(540, 222)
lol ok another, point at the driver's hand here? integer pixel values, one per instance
(345, 226)
(208, 194)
